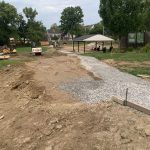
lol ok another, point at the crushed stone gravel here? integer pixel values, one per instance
(113, 83)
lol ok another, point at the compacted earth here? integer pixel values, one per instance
(35, 114)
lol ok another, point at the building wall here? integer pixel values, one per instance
(147, 37)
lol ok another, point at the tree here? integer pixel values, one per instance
(146, 15)
(71, 19)
(97, 29)
(35, 29)
(55, 28)
(22, 27)
(8, 15)
(121, 16)
(30, 13)
(81, 30)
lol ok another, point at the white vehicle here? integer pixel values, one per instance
(37, 51)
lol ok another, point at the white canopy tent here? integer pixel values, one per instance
(91, 38)
(99, 38)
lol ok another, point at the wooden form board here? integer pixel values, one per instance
(132, 105)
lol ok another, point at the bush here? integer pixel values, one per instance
(146, 48)
(130, 49)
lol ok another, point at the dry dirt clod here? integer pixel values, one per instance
(1, 117)
(49, 148)
(126, 141)
(59, 126)
(27, 82)
(147, 130)
(124, 135)
(15, 86)
(56, 120)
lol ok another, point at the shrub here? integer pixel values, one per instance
(146, 48)
(130, 49)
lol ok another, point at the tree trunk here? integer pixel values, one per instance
(72, 36)
(119, 43)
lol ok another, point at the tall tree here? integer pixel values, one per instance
(146, 15)
(22, 27)
(35, 29)
(97, 29)
(55, 28)
(71, 19)
(8, 15)
(121, 16)
(30, 13)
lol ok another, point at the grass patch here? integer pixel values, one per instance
(4, 63)
(23, 57)
(139, 58)
(23, 49)
(138, 71)
(130, 56)
(28, 49)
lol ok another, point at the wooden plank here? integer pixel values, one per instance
(143, 76)
(132, 105)
(139, 108)
(4, 57)
(118, 101)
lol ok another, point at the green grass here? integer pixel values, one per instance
(22, 50)
(138, 70)
(4, 63)
(130, 56)
(28, 49)
(127, 57)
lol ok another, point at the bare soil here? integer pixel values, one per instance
(36, 115)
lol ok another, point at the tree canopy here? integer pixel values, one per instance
(8, 15)
(30, 13)
(71, 19)
(121, 16)
(97, 29)
(146, 15)
(15, 25)
(35, 30)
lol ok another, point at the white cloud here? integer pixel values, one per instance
(50, 10)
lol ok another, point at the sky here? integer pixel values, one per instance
(49, 11)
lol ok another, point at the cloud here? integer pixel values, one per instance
(50, 10)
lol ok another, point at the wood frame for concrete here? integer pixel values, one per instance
(132, 105)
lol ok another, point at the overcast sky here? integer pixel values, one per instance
(50, 10)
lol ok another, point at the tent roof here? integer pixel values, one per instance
(93, 38)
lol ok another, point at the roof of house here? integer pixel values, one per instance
(93, 38)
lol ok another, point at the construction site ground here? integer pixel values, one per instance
(35, 114)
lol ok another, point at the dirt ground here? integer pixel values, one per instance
(36, 115)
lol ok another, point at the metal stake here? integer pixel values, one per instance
(126, 99)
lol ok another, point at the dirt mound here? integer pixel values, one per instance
(25, 82)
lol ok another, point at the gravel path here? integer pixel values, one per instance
(113, 83)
